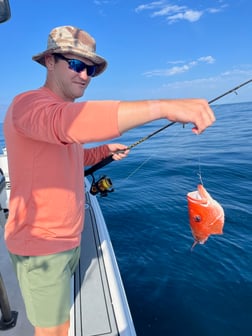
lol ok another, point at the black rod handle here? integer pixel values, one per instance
(98, 165)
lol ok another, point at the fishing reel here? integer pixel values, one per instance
(103, 186)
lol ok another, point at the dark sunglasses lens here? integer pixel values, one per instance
(91, 70)
(79, 66)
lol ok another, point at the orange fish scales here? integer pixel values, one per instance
(206, 215)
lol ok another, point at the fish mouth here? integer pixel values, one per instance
(195, 195)
(199, 196)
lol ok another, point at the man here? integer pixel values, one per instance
(44, 131)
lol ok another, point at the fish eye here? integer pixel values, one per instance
(197, 218)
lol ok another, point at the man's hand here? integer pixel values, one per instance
(118, 151)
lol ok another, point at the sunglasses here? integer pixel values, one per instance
(77, 65)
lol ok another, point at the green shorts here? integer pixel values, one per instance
(45, 283)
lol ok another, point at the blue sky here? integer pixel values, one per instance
(155, 49)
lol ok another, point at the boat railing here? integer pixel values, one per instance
(9, 317)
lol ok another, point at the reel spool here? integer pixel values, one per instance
(103, 186)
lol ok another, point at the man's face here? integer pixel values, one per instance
(63, 75)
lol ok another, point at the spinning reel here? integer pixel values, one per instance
(103, 186)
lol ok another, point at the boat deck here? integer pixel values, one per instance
(93, 311)
(23, 327)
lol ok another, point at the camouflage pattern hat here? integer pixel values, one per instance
(68, 39)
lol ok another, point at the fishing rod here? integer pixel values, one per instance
(109, 159)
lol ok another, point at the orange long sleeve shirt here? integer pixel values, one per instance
(44, 137)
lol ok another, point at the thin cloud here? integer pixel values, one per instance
(207, 87)
(236, 75)
(168, 10)
(189, 15)
(174, 13)
(100, 2)
(105, 2)
(179, 69)
(152, 5)
(207, 59)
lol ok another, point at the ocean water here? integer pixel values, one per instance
(171, 289)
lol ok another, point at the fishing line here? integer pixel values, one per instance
(144, 162)
(139, 167)
(199, 173)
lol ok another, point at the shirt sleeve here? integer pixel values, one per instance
(95, 154)
(45, 118)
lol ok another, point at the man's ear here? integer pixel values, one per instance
(49, 61)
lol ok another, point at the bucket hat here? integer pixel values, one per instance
(69, 39)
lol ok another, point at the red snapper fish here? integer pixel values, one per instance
(206, 215)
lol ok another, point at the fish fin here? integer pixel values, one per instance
(194, 244)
